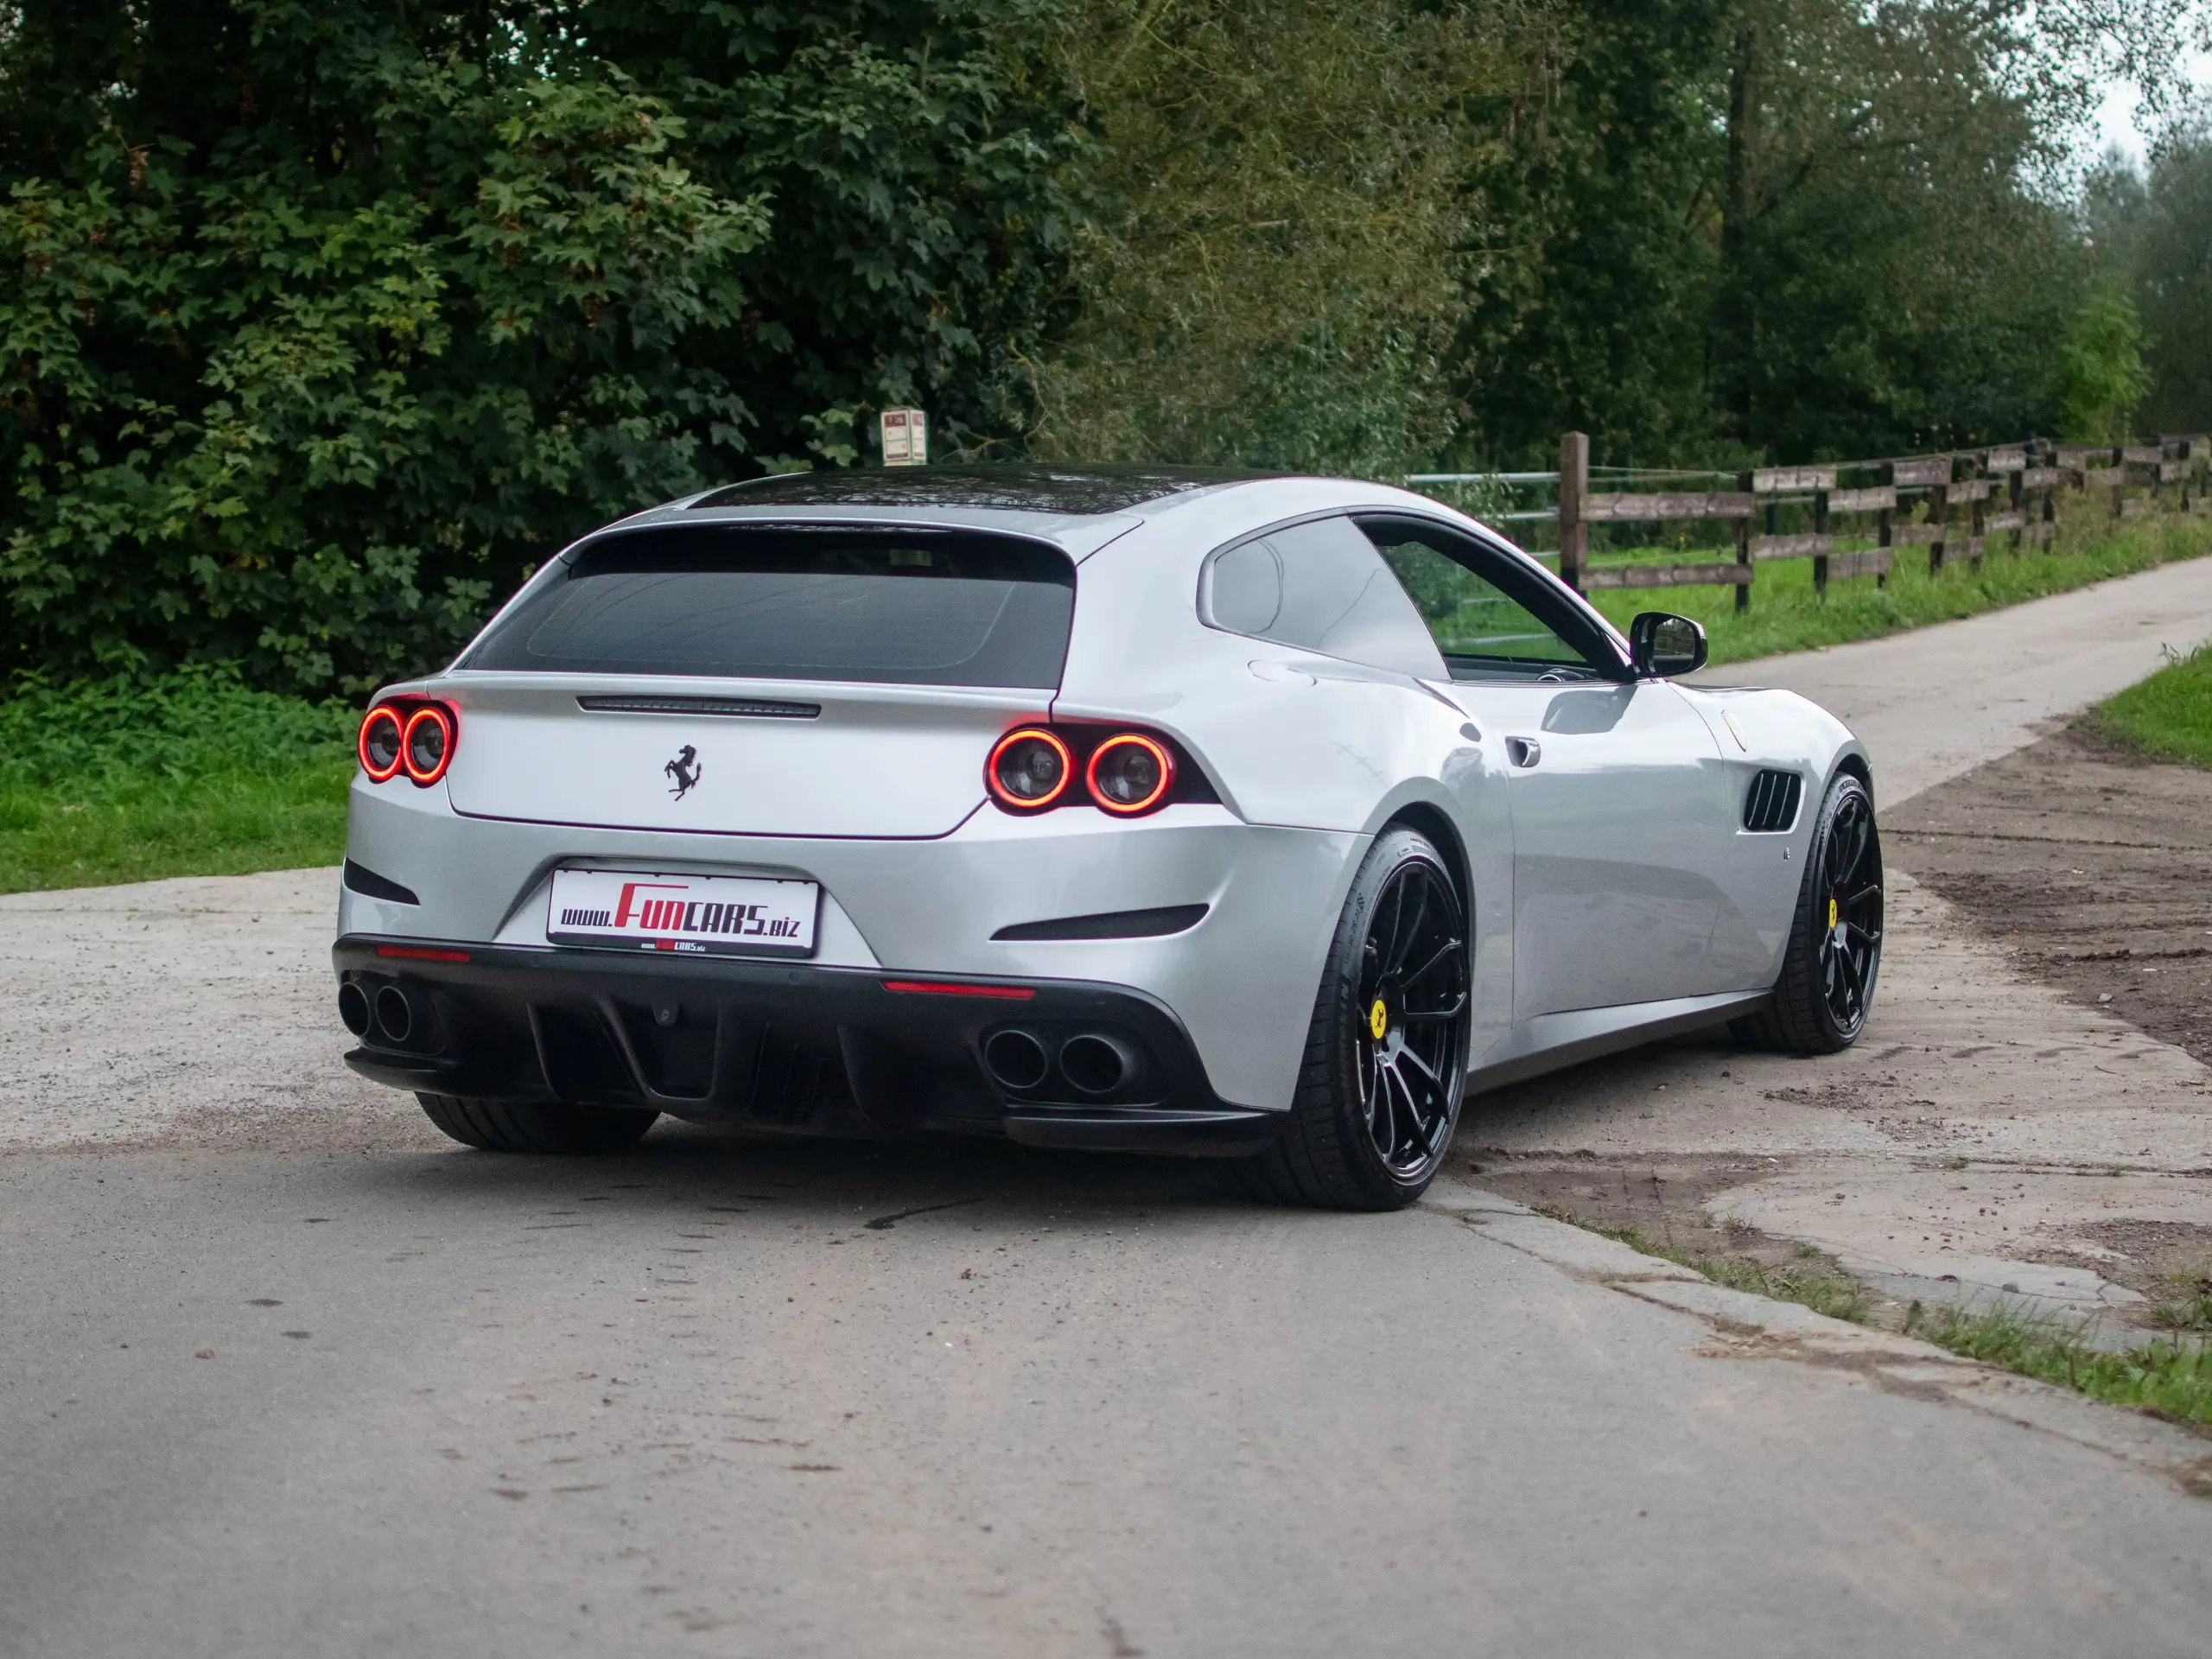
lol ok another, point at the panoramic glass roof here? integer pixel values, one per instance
(1026, 488)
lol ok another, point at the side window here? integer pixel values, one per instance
(1323, 586)
(1485, 630)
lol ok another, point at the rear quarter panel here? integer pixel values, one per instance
(1290, 737)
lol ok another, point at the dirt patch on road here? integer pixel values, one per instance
(2093, 864)
(2169, 1262)
(1662, 1199)
(1661, 1205)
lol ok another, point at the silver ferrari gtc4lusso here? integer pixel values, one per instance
(1262, 818)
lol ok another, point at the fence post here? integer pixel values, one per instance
(1939, 516)
(2032, 502)
(1744, 481)
(1573, 485)
(1977, 519)
(1885, 523)
(2017, 490)
(1819, 528)
(2120, 479)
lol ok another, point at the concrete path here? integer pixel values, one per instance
(283, 1372)
(1983, 1126)
(1938, 702)
(1983, 1120)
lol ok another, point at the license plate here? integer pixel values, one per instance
(690, 915)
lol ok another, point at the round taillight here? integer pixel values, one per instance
(1130, 773)
(1029, 769)
(428, 746)
(380, 743)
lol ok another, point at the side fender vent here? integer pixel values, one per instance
(1771, 804)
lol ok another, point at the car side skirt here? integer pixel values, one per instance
(1551, 1042)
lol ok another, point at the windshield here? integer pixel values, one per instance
(895, 605)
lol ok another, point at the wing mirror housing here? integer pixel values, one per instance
(1662, 646)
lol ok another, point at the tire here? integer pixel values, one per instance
(1386, 1054)
(1820, 1004)
(494, 1126)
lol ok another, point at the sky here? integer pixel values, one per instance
(2116, 118)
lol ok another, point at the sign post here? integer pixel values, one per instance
(905, 437)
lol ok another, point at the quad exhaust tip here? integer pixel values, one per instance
(1097, 1065)
(395, 1014)
(1091, 1061)
(1016, 1059)
(353, 1008)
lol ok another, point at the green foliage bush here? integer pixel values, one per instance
(200, 719)
(2102, 374)
(319, 323)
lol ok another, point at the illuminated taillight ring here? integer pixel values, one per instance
(427, 724)
(1006, 794)
(372, 741)
(1104, 753)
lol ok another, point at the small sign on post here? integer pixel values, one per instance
(905, 437)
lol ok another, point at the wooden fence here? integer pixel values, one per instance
(1969, 497)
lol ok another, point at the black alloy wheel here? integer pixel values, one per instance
(1820, 1003)
(1386, 1054)
(1851, 923)
(1412, 982)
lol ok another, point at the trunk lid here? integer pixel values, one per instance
(725, 756)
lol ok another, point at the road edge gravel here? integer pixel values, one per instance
(1767, 1328)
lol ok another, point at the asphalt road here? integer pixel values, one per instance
(281, 1374)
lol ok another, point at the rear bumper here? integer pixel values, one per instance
(782, 1045)
(1241, 982)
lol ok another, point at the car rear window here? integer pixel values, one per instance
(898, 606)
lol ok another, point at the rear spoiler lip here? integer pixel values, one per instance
(1078, 536)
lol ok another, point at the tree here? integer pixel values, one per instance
(319, 323)
(1589, 290)
(2101, 376)
(1896, 280)
(1272, 275)
(1740, 228)
(2154, 235)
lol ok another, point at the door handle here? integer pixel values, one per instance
(1523, 751)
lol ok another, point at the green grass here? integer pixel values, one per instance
(2164, 1374)
(2167, 1376)
(1811, 1284)
(2183, 1302)
(190, 773)
(2168, 717)
(1787, 615)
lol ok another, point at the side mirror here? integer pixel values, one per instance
(1662, 644)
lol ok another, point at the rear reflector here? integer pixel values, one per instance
(942, 988)
(414, 953)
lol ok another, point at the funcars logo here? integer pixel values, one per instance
(644, 906)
